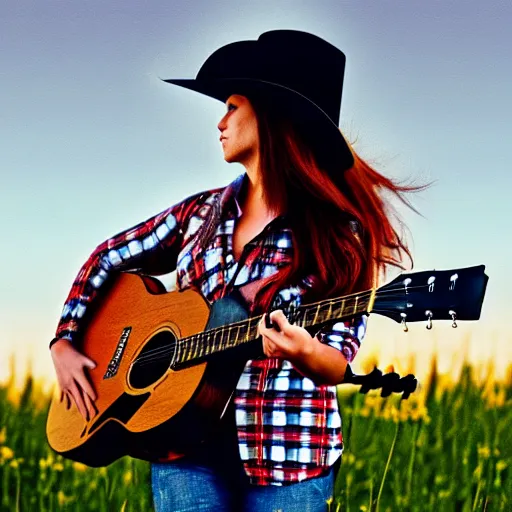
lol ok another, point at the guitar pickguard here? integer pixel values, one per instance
(123, 409)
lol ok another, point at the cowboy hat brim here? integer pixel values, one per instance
(298, 106)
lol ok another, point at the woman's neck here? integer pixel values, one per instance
(252, 201)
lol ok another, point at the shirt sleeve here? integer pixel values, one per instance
(151, 247)
(346, 336)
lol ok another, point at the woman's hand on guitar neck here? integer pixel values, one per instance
(319, 362)
(69, 365)
(290, 342)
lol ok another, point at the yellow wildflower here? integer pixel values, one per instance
(372, 401)
(365, 411)
(14, 395)
(395, 414)
(127, 477)
(78, 466)
(6, 453)
(484, 452)
(490, 401)
(43, 463)
(63, 499)
(500, 398)
(349, 458)
(3, 436)
(439, 479)
(359, 464)
(102, 471)
(14, 463)
(58, 466)
(501, 465)
(419, 413)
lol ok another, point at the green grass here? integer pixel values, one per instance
(447, 448)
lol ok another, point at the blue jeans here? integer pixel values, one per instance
(185, 486)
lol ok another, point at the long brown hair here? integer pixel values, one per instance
(340, 220)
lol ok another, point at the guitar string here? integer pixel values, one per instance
(161, 352)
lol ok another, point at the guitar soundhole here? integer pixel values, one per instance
(154, 360)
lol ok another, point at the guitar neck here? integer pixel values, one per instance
(455, 294)
(229, 336)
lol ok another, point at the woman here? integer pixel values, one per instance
(303, 223)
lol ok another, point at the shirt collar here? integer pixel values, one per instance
(230, 195)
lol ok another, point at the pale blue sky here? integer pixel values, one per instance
(93, 142)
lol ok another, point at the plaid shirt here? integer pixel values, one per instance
(289, 429)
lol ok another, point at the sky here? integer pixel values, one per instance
(93, 142)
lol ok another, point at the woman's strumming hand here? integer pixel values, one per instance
(69, 365)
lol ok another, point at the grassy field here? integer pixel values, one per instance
(447, 448)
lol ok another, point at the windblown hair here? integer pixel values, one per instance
(323, 201)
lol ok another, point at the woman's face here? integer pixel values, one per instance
(240, 128)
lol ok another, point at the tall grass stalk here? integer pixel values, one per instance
(411, 461)
(388, 462)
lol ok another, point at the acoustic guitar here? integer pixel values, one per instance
(167, 363)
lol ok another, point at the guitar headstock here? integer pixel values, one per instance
(433, 295)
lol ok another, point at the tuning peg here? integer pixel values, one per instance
(453, 281)
(454, 317)
(404, 322)
(428, 314)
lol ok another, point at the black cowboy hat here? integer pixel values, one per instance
(301, 71)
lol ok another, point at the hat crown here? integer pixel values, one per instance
(300, 61)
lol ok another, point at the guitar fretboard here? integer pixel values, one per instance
(232, 335)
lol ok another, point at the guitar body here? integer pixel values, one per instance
(145, 409)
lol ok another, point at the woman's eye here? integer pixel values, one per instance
(231, 105)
